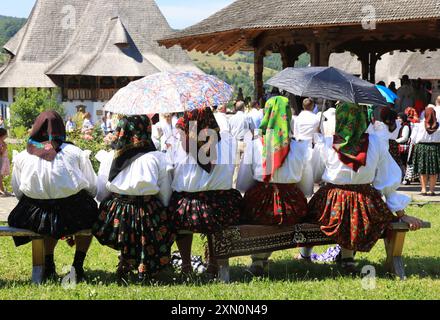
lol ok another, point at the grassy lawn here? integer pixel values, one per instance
(287, 279)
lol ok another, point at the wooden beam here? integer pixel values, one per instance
(258, 73)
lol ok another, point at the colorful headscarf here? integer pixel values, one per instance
(203, 119)
(47, 135)
(131, 140)
(350, 141)
(412, 115)
(275, 129)
(431, 123)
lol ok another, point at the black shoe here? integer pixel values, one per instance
(50, 274)
(349, 266)
(79, 274)
(256, 271)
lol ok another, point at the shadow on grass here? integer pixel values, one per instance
(280, 270)
(291, 270)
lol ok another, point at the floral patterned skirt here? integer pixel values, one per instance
(54, 218)
(274, 204)
(427, 158)
(5, 166)
(140, 227)
(394, 151)
(206, 212)
(355, 216)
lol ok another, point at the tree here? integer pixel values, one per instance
(29, 103)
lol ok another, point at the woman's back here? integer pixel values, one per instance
(69, 173)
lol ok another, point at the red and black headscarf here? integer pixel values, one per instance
(431, 123)
(131, 140)
(47, 135)
(203, 119)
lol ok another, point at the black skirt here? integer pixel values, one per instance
(54, 218)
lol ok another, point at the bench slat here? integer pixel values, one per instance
(14, 232)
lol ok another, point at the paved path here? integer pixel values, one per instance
(7, 204)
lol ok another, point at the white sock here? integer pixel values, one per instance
(306, 252)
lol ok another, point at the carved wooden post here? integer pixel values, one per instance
(319, 54)
(258, 73)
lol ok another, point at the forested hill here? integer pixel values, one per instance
(9, 26)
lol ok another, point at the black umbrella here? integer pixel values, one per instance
(327, 83)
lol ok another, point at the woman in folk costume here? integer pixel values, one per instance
(358, 170)
(275, 174)
(410, 174)
(135, 187)
(426, 136)
(56, 186)
(203, 200)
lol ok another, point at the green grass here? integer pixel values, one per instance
(287, 279)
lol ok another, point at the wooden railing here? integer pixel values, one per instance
(89, 94)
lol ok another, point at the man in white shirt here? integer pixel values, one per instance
(166, 132)
(307, 123)
(256, 114)
(239, 126)
(406, 95)
(240, 123)
(222, 119)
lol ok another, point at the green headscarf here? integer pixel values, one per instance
(275, 129)
(350, 141)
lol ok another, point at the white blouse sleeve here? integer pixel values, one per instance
(164, 182)
(105, 159)
(319, 156)
(388, 179)
(88, 172)
(16, 174)
(405, 136)
(245, 180)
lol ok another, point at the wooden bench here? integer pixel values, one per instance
(246, 240)
(37, 248)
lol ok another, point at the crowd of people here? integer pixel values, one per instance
(208, 169)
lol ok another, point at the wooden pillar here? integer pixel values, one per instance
(319, 54)
(369, 62)
(374, 57)
(258, 73)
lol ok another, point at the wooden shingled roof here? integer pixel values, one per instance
(103, 38)
(244, 19)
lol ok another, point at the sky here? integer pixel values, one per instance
(179, 13)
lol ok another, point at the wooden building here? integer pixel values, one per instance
(368, 29)
(89, 49)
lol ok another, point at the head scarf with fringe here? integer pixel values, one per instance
(47, 135)
(203, 119)
(131, 140)
(275, 129)
(350, 141)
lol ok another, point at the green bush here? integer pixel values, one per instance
(11, 147)
(19, 132)
(95, 145)
(29, 103)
